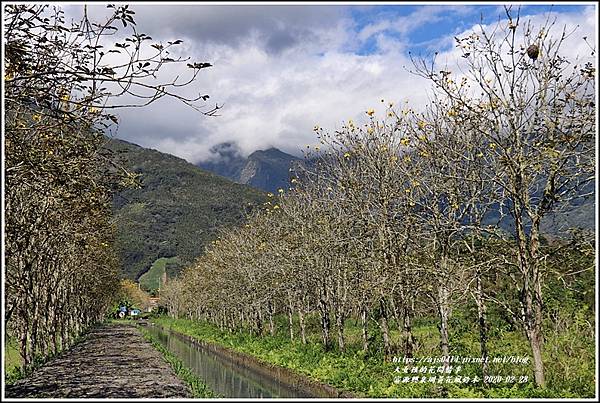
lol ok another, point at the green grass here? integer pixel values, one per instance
(368, 375)
(196, 385)
(152, 278)
(12, 362)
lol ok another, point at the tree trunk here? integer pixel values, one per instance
(259, 322)
(534, 334)
(481, 316)
(538, 364)
(271, 323)
(23, 343)
(407, 336)
(444, 313)
(531, 300)
(364, 319)
(302, 324)
(291, 319)
(325, 324)
(340, 328)
(385, 330)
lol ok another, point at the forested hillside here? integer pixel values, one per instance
(176, 211)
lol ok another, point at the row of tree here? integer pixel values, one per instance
(59, 86)
(419, 209)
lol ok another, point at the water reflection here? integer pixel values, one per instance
(220, 375)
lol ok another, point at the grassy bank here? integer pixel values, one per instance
(151, 279)
(569, 360)
(196, 385)
(12, 362)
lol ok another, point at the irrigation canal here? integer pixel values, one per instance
(115, 361)
(223, 374)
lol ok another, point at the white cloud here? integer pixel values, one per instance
(274, 97)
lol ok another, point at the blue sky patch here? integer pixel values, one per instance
(426, 25)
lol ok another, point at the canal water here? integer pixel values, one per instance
(220, 375)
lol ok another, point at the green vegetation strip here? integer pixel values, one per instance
(368, 375)
(150, 281)
(197, 385)
(353, 371)
(12, 362)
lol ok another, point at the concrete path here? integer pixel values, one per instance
(113, 361)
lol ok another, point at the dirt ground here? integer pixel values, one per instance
(113, 361)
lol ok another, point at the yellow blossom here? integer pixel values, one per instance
(370, 130)
(276, 207)
(407, 159)
(346, 155)
(421, 124)
(370, 112)
(269, 194)
(280, 190)
(405, 141)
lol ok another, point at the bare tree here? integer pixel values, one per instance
(536, 110)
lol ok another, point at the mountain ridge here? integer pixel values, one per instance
(267, 169)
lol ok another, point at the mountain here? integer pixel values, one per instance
(226, 161)
(176, 212)
(263, 169)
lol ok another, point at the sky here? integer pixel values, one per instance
(279, 70)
